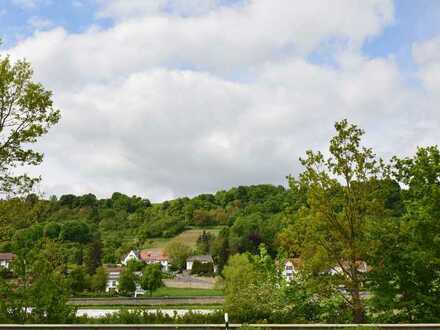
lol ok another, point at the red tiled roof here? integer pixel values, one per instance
(7, 256)
(153, 255)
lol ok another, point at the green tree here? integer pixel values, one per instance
(75, 231)
(26, 113)
(40, 284)
(92, 257)
(406, 276)
(204, 242)
(127, 282)
(78, 279)
(252, 291)
(151, 279)
(99, 280)
(332, 230)
(48, 296)
(178, 253)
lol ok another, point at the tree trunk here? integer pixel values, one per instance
(357, 305)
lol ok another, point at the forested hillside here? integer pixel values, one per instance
(248, 215)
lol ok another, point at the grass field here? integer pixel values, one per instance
(188, 237)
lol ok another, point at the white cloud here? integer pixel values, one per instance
(427, 55)
(224, 41)
(177, 101)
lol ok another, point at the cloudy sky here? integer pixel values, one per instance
(165, 98)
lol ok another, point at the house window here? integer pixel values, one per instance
(289, 268)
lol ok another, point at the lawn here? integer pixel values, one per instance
(188, 237)
(186, 292)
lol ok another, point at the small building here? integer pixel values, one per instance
(113, 274)
(6, 259)
(290, 268)
(204, 259)
(155, 256)
(132, 255)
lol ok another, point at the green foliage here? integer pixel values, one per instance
(75, 231)
(92, 257)
(204, 269)
(78, 279)
(204, 243)
(26, 113)
(39, 284)
(99, 280)
(127, 282)
(251, 294)
(333, 230)
(178, 253)
(406, 282)
(140, 316)
(151, 279)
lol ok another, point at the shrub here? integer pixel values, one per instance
(201, 268)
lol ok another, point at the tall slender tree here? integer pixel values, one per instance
(331, 232)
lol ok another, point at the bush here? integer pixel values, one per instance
(201, 268)
(146, 317)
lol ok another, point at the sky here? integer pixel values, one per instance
(170, 98)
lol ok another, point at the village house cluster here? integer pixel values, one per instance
(152, 256)
(289, 267)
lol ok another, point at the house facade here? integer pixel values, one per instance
(151, 256)
(6, 259)
(113, 274)
(290, 268)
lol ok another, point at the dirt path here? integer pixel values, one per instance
(146, 301)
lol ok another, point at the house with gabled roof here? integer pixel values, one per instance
(155, 256)
(6, 259)
(132, 255)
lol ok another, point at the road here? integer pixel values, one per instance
(146, 301)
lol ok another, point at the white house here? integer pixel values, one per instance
(132, 255)
(152, 256)
(113, 274)
(290, 268)
(6, 258)
(204, 259)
